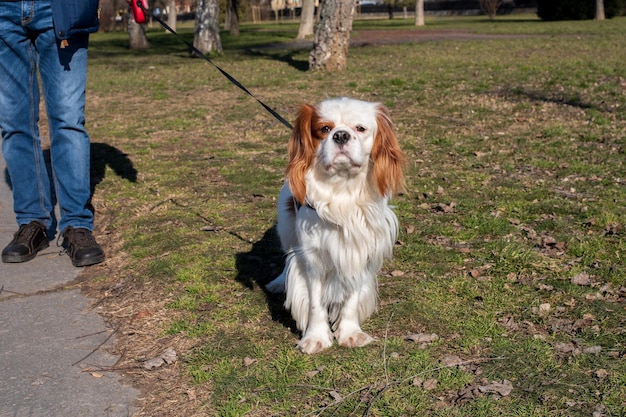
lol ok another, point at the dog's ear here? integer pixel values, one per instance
(301, 152)
(387, 156)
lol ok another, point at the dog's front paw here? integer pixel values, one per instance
(311, 344)
(354, 338)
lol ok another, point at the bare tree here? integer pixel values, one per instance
(136, 34)
(306, 19)
(172, 13)
(207, 37)
(600, 10)
(107, 15)
(277, 7)
(419, 13)
(232, 16)
(332, 36)
(490, 7)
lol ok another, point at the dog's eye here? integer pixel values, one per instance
(360, 129)
(325, 129)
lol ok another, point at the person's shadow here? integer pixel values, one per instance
(102, 155)
(264, 262)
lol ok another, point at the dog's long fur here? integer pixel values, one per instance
(334, 219)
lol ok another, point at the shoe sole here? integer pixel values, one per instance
(87, 262)
(16, 259)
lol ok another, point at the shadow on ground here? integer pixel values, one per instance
(102, 155)
(260, 265)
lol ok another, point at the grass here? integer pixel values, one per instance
(516, 184)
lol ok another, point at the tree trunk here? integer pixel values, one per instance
(332, 36)
(306, 19)
(419, 13)
(136, 34)
(277, 6)
(600, 10)
(233, 17)
(171, 14)
(207, 37)
(490, 7)
(107, 15)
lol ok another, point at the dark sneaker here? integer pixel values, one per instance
(27, 241)
(82, 247)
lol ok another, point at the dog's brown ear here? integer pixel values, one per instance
(301, 152)
(387, 156)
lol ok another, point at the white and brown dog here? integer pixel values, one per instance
(334, 219)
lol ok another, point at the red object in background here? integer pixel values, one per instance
(139, 9)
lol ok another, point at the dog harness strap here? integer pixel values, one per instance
(299, 205)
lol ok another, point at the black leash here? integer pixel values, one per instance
(224, 73)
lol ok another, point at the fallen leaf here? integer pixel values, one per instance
(466, 395)
(97, 375)
(594, 350)
(581, 279)
(452, 360)
(509, 322)
(544, 308)
(191, 394)
(335, 395)
(479, 389)
(582, 323)
(430, 384)
(476, 272)
(141, 315)
(445, 208)
(248, 361)
(602, 373)
(153, 363)
(599, 411)
(612, 229)
(169, 356)
(314, 372)
(503, 388)
(421, 337)
(564, 347)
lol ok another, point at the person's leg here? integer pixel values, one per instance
(21, 145)
(64, 77)
(19, 114)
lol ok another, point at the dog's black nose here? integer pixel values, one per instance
(341, 136)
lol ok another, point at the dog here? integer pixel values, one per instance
(334, 219)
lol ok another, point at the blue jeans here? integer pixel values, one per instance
(28, 47)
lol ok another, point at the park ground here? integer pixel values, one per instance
(506, 292)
